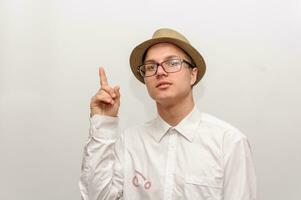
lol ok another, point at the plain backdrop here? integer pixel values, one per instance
(50, 52)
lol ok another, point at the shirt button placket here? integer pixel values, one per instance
(171, 165)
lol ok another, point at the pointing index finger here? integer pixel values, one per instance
(102, 77)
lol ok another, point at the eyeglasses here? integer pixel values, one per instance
(169, 66)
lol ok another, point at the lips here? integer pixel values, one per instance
(163, 84)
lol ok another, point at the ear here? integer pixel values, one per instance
(193, 75)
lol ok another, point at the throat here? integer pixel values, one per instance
(175, 113)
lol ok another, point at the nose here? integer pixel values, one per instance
(161, 71)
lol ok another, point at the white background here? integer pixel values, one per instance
(50, 52)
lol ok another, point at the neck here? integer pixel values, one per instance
(173, 113)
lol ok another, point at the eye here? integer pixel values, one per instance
(150, 67)
(173, 63)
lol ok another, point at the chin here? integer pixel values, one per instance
(164, 98)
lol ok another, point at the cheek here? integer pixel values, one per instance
(149, 86)
(184, 86)
(147, 83)
(185, 80)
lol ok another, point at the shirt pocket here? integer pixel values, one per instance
(203, 188)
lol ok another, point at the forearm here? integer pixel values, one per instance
(101, 176)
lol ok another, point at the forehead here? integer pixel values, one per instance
(163, 50)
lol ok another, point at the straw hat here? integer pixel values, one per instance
(169, 36)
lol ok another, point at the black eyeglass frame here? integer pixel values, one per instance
(160, 64)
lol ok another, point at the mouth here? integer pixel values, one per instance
(163, 85)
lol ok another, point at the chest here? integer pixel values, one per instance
(174, 168)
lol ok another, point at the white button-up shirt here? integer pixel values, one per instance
(202, 158)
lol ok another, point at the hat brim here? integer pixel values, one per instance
(136, 57)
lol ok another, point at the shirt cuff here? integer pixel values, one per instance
(104, 127)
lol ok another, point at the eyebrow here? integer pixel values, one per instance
(166, 58)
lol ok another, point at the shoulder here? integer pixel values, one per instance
(139, 129)
(229, 136)
(221, 127)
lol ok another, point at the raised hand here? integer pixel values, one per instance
(107, 100)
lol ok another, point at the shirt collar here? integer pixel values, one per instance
(161, 128)
(186, 127)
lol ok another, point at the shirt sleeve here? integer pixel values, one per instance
(102, 173)
(239, 170)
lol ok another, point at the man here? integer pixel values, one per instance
(182, 153)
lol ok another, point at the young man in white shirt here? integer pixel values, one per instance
(182, 153)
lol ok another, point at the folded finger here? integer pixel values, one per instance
(109, 90)
(105, 98)
(117, 92)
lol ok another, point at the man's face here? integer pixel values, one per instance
(169, 87)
